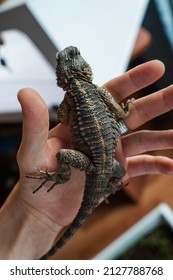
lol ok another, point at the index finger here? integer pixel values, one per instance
(135, 79)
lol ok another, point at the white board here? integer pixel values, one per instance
(104, 31)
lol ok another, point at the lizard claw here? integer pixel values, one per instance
(48, 176)
(39, 187)
(36, 176)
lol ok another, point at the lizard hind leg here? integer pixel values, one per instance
(65, 159)
(44, 174)
(60, 177)
(74, 158)
(118, 173)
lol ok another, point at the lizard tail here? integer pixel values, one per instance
(93, 192)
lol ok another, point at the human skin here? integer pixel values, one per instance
(29, 222)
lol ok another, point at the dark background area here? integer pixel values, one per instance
(160, 49)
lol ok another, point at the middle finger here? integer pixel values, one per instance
(149, 107)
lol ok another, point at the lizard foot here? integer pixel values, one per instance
(126, 107)
(48, 176)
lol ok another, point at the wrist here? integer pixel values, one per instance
(25, 233)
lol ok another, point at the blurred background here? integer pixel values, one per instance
(28, 43)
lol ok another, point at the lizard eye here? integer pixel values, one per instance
(77, 51)
(73, 52)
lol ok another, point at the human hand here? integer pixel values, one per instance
(134, 146)
(39, 146)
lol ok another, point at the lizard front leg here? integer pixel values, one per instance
(120, 111)
(64, 111)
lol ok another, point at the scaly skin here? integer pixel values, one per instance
(93, 118)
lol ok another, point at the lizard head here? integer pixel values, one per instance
(70, 65)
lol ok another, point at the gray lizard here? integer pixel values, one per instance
(95, 124)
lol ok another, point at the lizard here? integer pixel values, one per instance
(95, 123)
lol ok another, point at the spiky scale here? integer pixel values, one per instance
(92, 115)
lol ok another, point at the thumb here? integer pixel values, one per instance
(35, 127)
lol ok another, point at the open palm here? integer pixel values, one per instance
(39, 145)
